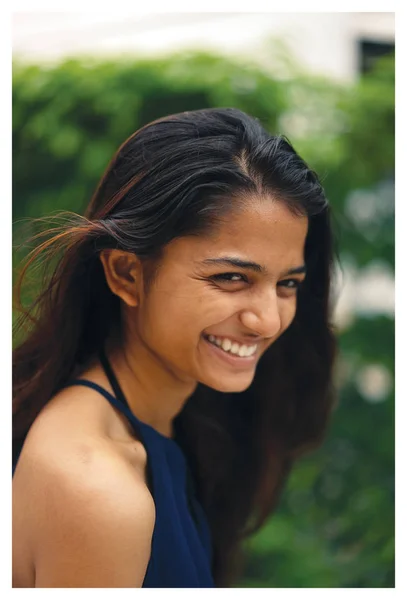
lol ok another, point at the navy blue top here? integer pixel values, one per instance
(181, 552)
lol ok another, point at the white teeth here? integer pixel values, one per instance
(233, 347)
(226, 345)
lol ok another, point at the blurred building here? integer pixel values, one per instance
(340, 45)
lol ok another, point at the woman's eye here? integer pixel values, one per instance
(230, 277)
(291, 283)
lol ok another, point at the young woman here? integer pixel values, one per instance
(179, 359)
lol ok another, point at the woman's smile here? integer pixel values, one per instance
(231, 359)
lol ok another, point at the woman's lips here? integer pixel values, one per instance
(231, 359)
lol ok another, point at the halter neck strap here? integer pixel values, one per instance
(112, 378)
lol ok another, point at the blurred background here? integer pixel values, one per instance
(83, 82)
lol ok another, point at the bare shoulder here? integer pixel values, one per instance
(90, 513)
(93, 521)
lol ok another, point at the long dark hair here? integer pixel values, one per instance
(175, 177)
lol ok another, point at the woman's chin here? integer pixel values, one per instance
(234, 386)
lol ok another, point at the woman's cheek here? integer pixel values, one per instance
(289, 313)
(219, 307)
(294, 310)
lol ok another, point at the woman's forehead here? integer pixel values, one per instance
(265, 219)
(254, 233)
(260, 223)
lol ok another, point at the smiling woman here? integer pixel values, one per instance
(178, 359)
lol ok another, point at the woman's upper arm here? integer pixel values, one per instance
(94, 526)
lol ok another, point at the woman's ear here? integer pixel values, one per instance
(123, 274)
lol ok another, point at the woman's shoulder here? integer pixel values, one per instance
(80, 427)
(79, 460)
(84, 511)
(80, 444)
(74, 479)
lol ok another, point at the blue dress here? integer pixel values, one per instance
(181, 552)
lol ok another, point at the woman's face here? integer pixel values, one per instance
(198, 294)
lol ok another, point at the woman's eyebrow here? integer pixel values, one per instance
(245, 264)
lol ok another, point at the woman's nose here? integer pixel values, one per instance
(263, 316)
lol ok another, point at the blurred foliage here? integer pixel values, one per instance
(335, 524)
